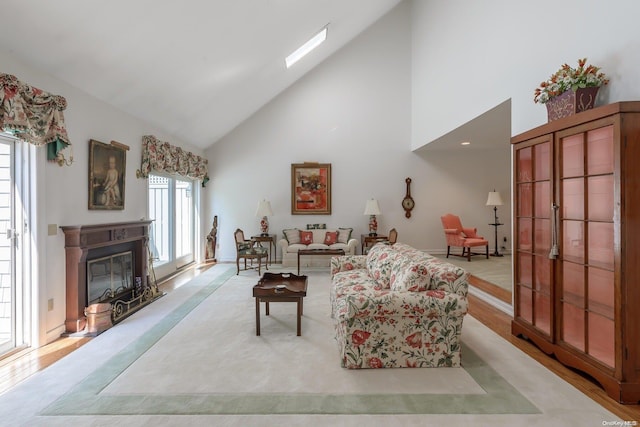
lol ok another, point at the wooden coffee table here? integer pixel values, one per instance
(318, 252)
(280, 287)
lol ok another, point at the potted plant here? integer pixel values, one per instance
(570, 90)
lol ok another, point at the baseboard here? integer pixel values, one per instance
(490, 299)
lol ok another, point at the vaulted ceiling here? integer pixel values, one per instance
(193, 68)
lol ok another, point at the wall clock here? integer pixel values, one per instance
(407, 202)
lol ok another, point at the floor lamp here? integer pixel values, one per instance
(495, 200)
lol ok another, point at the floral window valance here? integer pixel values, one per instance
(33, 115)
(163, 157)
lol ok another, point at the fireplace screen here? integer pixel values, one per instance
(109, 277)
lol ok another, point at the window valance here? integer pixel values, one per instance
(163, 157)
(33, 115)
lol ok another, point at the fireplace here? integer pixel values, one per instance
(106, 263)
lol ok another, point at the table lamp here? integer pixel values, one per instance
(264, 211)
(372, 209)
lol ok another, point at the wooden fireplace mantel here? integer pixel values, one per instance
(81, 242)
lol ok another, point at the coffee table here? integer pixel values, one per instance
(318, 252)
(280, 287)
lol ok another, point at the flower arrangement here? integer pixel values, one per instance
(569, 78)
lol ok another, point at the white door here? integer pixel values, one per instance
(171, 207)
(14, 288)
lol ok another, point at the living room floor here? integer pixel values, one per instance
(19, 366)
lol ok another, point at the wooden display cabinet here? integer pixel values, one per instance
(576, 260)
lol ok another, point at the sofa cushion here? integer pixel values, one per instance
(306, 237)
(292, 235)
(380, 260)
(330, 237)
(344, 234)
(409, 275)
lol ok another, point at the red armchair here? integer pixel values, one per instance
(463, 237)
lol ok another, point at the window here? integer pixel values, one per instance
(171, 207)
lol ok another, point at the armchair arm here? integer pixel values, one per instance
(470, 232)
(450, 231)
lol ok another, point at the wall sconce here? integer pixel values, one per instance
(264, 211)
(62, 161)
(372, 209)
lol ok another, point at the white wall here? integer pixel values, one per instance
(63, 191)
(353, 111)
(470, 56)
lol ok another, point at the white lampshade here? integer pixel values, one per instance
(264, 209)
(494, 199)
(372, 208)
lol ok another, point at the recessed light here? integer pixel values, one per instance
(313, 42)
(465, 143)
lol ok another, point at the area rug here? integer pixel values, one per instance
(193, 358)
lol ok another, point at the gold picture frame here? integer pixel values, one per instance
(107, 167)
(311, 189)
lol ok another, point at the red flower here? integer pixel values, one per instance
(414, 340)
(348, 266)
(375, 363)
(436, 293)
(360, 337)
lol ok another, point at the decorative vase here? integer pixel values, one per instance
(570, 102)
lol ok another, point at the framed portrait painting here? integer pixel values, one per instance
(311, 189)
(107, 166)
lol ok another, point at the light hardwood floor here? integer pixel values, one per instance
(19, 366)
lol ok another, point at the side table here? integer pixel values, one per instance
(368, 240)
(496, 225)
(271, 238)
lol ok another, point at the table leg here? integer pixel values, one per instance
(259, 264)
(257, 316)
(298, 263)
(299, 316)
(266, 304)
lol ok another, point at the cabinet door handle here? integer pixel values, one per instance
(553, 253)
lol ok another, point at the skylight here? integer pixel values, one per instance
(313, 42)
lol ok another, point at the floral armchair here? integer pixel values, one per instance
(463, 237)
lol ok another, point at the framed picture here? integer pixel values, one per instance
(311, 189)
(107, 166)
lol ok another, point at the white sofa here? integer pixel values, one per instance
(292, 243)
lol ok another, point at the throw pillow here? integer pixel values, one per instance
(330, 237)
(344, 234)
(306, 237)
(409, 275)
(292, 235)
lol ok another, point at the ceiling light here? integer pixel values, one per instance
(314, 42)
(465, 143)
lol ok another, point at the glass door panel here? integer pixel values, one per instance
(601, 294)
(542, 159)
(601, 244)
(526, 304)
(541, 199)
(601, 339)
(573, 198)
(542, 236)
(525, 234)
(525, 270)
(184, 221)
(600, 196)
(600, 151)
(159, 203)
(573, 284)
(525, 200)
(542, 276)
(573, 241)
(7, 283)
(573, 326)
(525, 170)
(543, 312)
(572, 156)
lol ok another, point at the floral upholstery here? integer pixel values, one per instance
(413, 320)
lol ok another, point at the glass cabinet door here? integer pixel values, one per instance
(586, 229)
(533, 269)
